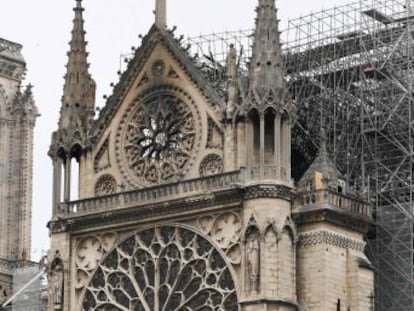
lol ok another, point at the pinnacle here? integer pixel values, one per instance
(79, 88)
(266, 65)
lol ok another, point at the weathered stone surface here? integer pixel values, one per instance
(187, 204)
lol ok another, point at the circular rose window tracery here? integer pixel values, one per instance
(167, 268)
(157, 138)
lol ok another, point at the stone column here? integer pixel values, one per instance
(66, 195)
(57, 179)
(288, 149)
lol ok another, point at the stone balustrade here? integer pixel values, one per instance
(154, 194)
(10, 49)
(266, 173)
(223, 181)
(5, 265)
(336, 199)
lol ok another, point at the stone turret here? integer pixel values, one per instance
(332, 269)
(77, 110)
(323, 173)
(18, 115)
(258, 129)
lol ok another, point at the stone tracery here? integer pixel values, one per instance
(158, 138)
(105, 185)
(212, 164)
(166, 268)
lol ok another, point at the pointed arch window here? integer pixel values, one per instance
(254, 152)
(269, 138)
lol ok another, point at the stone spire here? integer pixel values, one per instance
(161, 13)
(76, 113)
(266, 68)
(78, 101)
(322, 165)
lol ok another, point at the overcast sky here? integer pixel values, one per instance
(43, 28)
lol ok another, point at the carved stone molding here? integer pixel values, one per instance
(225, 229)
(332, 214)
(330, 238)
(212, 164)
(268, 191)
(158, 68)
(214, 135)
(106, 184)
(102, 161)
(58, 226)
(229, 197)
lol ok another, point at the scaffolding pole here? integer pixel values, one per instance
(352, 67)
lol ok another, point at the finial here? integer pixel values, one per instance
(79, 4)
(161, 13)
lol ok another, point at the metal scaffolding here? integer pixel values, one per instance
(352, 68)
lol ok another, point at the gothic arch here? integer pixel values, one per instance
(289, 228)
(271, 238)
(287, 259)
(251, 227)
(271, 227)
(254, 140)
(170, 267)
(269, 135)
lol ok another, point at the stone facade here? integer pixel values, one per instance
(17, 120)
(186, 200)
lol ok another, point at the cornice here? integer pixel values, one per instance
(330, 238)
(331, 214)
(270, 301)
(269, 191)
(159, 210)
(168, 208)
(8, 266)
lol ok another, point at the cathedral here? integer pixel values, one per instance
(186, 197)
(18, 115)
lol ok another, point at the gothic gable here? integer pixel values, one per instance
(155, 38)
(163, 120)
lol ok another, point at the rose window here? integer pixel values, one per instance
(158, 138)
(162, 269)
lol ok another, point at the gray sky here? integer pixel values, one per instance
(43, 28)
